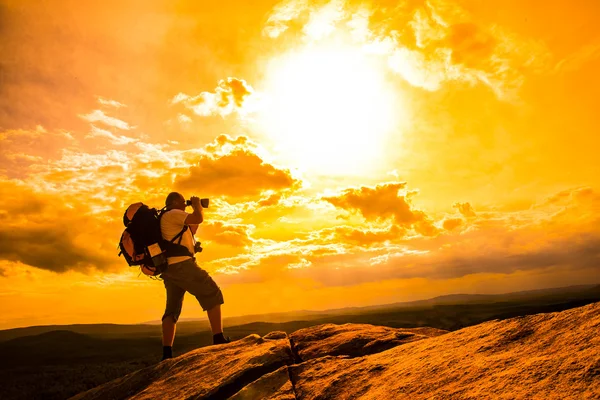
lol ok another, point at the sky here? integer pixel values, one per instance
(355, 153)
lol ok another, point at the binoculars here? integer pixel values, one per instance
(203, 203)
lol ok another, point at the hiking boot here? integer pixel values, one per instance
(220, 339)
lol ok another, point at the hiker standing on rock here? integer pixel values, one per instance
(183, 274)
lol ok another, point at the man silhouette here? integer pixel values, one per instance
(183, 274)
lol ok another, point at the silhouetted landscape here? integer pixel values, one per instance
(56, 362)
(311, 174)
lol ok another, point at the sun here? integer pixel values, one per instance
(328, 110)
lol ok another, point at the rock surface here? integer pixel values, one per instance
(545, 356)
(549, 356)
(214, 372)
(353, 339)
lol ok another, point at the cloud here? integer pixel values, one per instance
(470, 44)
(237, 235)
(183, 119)
(465, 209)
(110, 103)
(570, 196)
(271, 200)
(230, 96)
(99, 116)
(49, 248)
(360, 236)
(322, 21)
(498, 243)
(551, 242)
(450, 224)
(568, 254)
(579, 58)
(115, 178)
(450, 46)
(384, 201)
(287, 215)
(85, 194)
(20, 149)
(118, 140)
(281, 16)
(427, 45)
(50, 232)
(234, 170)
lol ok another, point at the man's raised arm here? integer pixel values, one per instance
(196, 217)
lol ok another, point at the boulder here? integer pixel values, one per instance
(353, 339)
(276, 335)
(545, 356)
(213, 372)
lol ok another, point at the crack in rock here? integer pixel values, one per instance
(295, 353)
(292, 382)
(248, 377)
(297, 360)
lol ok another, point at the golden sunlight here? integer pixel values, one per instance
(329, 109)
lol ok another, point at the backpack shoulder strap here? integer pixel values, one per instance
(179, 235)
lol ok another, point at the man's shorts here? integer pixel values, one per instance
(187, 276)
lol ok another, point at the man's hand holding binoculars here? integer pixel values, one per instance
(196, 202)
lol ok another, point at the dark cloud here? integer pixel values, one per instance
(238, 174)
(270, 200)
(384, 201)
(48, 248)
(220, 142)
(576, 252)
(233, 91)
(228, 97)
(465, 209)
(53, 232)
(580, 252)
(564, 242)
(450, 224)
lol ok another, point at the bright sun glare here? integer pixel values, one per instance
(329, 110)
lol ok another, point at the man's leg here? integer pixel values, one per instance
(214, 317)
(168, 331)
(197, 281)
(216, 325)
(169, 320)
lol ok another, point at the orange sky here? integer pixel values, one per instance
(355, 153)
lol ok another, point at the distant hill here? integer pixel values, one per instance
(102, 330)
(579, 291)
(561, 294)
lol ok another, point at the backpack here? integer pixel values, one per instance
(142, 243)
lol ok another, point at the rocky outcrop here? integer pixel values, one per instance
(551, 356)
(353, 339)
(214, 372)
(546, 356)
